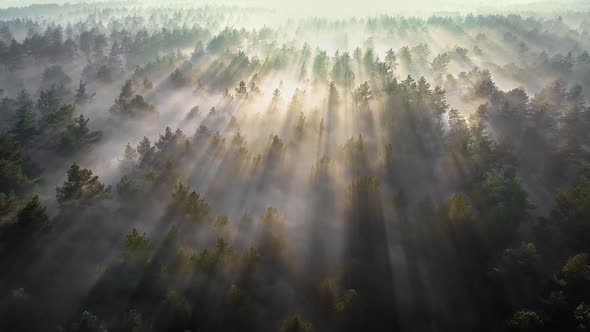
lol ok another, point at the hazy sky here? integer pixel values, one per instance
(363, 7)
(380, 6)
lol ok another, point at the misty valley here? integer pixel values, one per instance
(238, 166)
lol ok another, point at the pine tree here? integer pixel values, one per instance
(82, 97)
(146, 151)
(78, 136)
(391, 59)
(34, 214)
(130, 153)
(242, 90)
(81, 186)
(24, 127)
(165, 139)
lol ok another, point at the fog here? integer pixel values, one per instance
(294, 166)
(344, 8)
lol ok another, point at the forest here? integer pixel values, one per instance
(238, 166)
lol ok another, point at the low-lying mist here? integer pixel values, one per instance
(299, 166)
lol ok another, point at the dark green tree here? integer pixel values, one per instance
(146, 151)
(24, 128)
(295, 324)
(572, 212)
(81, 186)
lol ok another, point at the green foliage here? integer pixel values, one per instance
(134, 322)
(405, 56)
(56, 120)
(176, 305)
(276, 147)
(178, 78)
(333, 96)
(342, 72)
(81, 186)
(146, 151)
(420, 53)
(89, 323)
(272, 240)
(503, 204)
(520, 263)
(300, 127)
(362, 189)
(137, 249)
(49, 102)
(170, 142)
(129, 104)
(320, 65)
(19, 295)
(363, 94)
(9, 205)
(378, 226)
(190, 204)
(235, 295)
(572, 211)
(295, 324)
(242, 90)
(55, 75)
(10, 149)
(129, 157)
(525, 321)
(320, 171)
(127, 190)
(334, 301)
(459, 135)
(11, 174)
(24, 128)
(391, 59)
(82, 97)
(34, 214)
(78, 136)
(459, 210)
(440, 63)
(12, 162)
(576, 268)
(582, 315)
(221, 258)
(355, 154)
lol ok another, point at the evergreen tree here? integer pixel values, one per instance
(81, 186)
(33, 215)
(146, 151)
(24, 128)
(82, 97)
